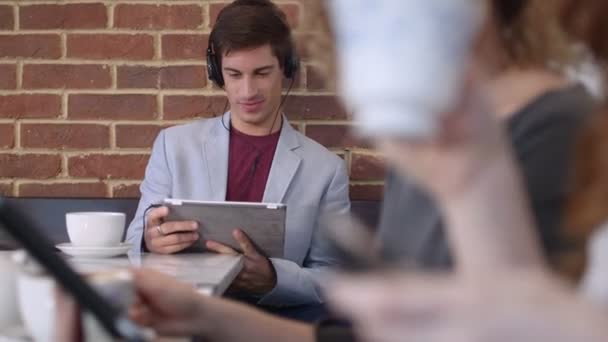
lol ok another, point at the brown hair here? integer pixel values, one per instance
(245, 24)
(587, 208)
(585, 20)
(530, 34)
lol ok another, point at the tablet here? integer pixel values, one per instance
(264, 223)
(21, 228)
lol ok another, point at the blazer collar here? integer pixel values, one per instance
(284, 165)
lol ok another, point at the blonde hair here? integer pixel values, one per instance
(534, 38)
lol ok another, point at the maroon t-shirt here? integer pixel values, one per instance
(249, 161)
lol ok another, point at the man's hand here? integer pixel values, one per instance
(258, 275)
(168, 237)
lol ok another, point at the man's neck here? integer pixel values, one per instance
(258, 130)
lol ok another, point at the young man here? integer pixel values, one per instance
(250, 153)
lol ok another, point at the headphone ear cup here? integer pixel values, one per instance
(213, 70)
(292, 65)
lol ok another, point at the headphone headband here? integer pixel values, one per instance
(290, 64)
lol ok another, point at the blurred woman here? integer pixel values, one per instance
(507, 299)
(521, 54)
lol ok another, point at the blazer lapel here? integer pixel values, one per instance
(216, 147)
(284, 165)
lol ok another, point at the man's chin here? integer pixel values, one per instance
(252, 118)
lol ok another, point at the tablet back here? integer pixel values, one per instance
(263, 223)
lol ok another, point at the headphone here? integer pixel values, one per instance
(290, 64)
(508, 11)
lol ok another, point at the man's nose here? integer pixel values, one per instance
(249, 89)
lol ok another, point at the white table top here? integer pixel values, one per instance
(210, 273)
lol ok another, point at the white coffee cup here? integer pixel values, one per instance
(401, 62)
(9, 310)
(95, 229)
(39, 306)
(36, 296)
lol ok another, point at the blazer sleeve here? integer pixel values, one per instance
(155, 187)
(303, 285)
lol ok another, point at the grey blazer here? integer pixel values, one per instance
(191, 162)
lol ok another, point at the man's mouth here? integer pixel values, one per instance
(251, 106)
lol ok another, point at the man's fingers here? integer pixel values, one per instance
(156, 215)
(246, 245)
(175, 239)
(140, 314)
(179, 226)
(176, 248)
(220, 248)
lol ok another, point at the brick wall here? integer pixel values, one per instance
(86, 85)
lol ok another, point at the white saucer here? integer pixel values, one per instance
(94, 252)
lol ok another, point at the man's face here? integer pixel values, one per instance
(253, 84)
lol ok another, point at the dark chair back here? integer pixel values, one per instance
(49, 213)
(367, 211)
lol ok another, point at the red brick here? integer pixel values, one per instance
(69, 16)
(183, 77)
(170, 77)
(331, 136)
(155, 17)
(136, 136)
(30, 46)
(30, 106)
(126, 191)
(108, 166)
(336, 136)
(110, 46)
(7, 135)
(35, 166)
(315, 107)
(292, 13)
(65, 136)
(305, 45)
(184, 46)
(314, 79)
(112, 107)
(7, 21)
(8, 76)
(6, 189)
(366, 192)
(367, 167)
(188, 107)
(63, 190)
(138, 77)
(45, 76)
